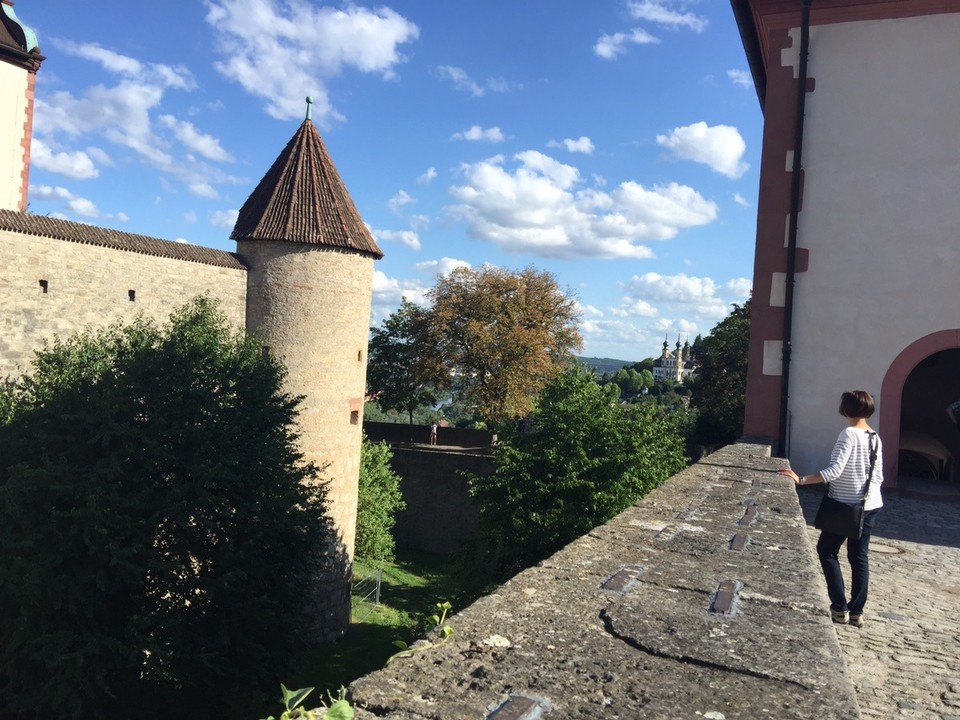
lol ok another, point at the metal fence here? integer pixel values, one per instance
(367, 590)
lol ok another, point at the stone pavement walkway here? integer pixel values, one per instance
(905, 661)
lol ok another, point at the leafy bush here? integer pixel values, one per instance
(158, 525)
(378, 502)
(584, 461)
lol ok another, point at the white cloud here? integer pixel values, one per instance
(634, 307)
(204, 190)
(429, 174)
(741, 200)
(404, 237)
(462, 81)
(740, 287)
(200, 143)
(419, 222)
(537, 208)
(224, 218)
(390, 291)
(443, 266)
(121, 113)
(661, 13)
(167, 76)
(740, 77)
(720, 147)
(589, 311)
(190, 217)
(397, 202)
(699, 295)
(99, 156)
(76, 204)
(609, 46)
(581, 145)
(493, 134)
(77, 165)
(283, 51)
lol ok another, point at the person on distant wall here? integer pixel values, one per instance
(433, 433)
(846, 476)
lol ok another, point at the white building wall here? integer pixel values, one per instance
(881, 213)
(13, 118)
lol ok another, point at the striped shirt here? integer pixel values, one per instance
(849, 465)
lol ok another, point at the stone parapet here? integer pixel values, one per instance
(704, 600)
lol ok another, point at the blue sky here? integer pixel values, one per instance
(614, 143)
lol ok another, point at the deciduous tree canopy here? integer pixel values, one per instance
(580, 461)
(719, 392)
(402, 374)
(504, 334)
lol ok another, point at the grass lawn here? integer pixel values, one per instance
(410, 589)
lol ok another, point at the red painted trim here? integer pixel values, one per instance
(761, 418)
(891, 392)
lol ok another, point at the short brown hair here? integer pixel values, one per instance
(856, 404)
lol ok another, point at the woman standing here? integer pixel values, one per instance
(846, 476)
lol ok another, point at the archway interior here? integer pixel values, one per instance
(929, 439)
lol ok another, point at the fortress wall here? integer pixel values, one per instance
(88, 285)
(439, 512)
(703, 600)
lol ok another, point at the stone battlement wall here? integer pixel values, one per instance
(704, 600)
(52, 287)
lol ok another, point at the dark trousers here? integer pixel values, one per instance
(828, 549)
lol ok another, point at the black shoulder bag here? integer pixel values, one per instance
(838, 517)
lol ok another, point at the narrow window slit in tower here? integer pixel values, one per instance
(132, 294)
(354, 417)
(44, 286)
(359, 355)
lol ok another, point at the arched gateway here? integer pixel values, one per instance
(919, 384)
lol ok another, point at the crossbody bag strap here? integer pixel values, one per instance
(872, 443)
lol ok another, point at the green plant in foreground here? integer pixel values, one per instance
(439, 622)
(339, 708)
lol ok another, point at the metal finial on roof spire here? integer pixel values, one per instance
(309, 103)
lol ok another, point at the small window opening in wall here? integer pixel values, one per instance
(132, 294)
(359, 355)
(44, 286)
(354, 417)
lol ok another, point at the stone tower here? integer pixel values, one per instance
(309, 289)
(20, 59)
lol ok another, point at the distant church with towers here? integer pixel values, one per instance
(675, 366)
(301, 278)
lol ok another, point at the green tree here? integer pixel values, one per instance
(504, 334)
(378, 503)
(633, 382)
(401, 372)
(719, 391)
(584, 461)
(158, 525)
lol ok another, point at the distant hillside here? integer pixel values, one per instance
(605, 365)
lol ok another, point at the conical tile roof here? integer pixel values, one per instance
(302, 199)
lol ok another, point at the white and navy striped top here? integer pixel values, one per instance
(849, 465)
